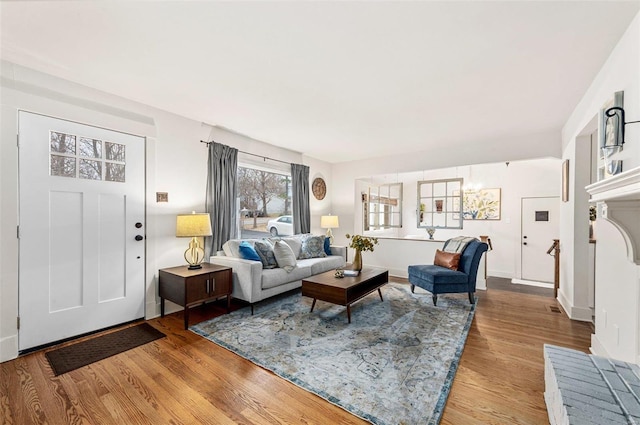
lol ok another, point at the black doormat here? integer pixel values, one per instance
(71, 357)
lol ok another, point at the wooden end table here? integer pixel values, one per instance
(191, 287)
(345, 291)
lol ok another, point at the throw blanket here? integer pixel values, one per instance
(458, 244)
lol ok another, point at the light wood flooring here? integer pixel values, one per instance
(185, 379)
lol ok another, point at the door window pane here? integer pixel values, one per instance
(63, 166)
(62, 143)
(115, 172)
(115, 151)
(90, 147)
(91, 170)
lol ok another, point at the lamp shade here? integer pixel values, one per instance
(329, 222)
(191, 225)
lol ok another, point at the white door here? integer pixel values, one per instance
(540, 226)
(81, 209)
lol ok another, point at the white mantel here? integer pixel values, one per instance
(618, 199)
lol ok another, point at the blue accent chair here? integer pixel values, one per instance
(441, 280)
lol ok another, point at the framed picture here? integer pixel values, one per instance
(482, 204)
(565, 180)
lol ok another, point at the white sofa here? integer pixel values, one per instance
(253, 283)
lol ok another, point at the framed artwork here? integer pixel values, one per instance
(482, 204)
(565, 180)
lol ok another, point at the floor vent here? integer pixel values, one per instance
(554, 309)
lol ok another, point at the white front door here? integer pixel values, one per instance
(540, 226)
(81, 232)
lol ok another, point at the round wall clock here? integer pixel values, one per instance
(319, 188)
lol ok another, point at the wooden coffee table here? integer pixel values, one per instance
(345, 291)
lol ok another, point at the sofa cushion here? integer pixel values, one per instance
(312, 247)
(295, 242)
(321, 265)
(276, 277)
(285, 257)
(449, 260)
(264, 250)
(437, 275)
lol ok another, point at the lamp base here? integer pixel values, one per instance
(194, 255)
(330, 236)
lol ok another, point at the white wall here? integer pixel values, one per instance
(520, 179)
(617, 304)
(176, 163)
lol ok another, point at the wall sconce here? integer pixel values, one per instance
(193, 226)
(329, 222)
(614, 127)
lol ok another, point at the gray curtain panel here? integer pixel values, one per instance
(300, 198)
(222, 192)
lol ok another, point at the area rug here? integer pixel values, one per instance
(394, 364)
(71, 357)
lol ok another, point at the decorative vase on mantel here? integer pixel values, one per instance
(357, 261)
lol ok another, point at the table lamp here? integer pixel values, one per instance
(193, 226)
(329, 222)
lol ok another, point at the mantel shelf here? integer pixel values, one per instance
(623, 186)
(619, 200)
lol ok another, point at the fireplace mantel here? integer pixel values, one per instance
(618, 199)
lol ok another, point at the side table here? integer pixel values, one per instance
(192, 287)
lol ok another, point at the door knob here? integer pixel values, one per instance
(525, 237)
(139, 237)
(138, 225)
(524, 243)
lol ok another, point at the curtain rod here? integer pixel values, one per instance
(253, 154)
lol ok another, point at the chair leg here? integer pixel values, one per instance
(412, 288)
(471, 298)
(435, 299)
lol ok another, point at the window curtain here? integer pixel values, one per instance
(300, 198)
(222, 192)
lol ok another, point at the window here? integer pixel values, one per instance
(265, 203)
(440, 203)
(84, 158)
(382, 207)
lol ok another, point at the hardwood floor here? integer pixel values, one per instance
(184, 378)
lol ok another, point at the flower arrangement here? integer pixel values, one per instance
(362, 243)
(593, 213)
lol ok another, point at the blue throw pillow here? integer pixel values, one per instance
(327, 246)
(248, 252)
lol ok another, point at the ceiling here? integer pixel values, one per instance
(337, 81)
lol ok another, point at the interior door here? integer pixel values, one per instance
(81, 231)
(540, 226)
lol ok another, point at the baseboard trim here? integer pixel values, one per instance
(152, 310)
(532, 283)
(597, 347)
(8, 348)
(504, 275)
(581, 314)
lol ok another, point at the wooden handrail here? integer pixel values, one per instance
(554, 250)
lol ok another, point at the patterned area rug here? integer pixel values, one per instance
(394, 364)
